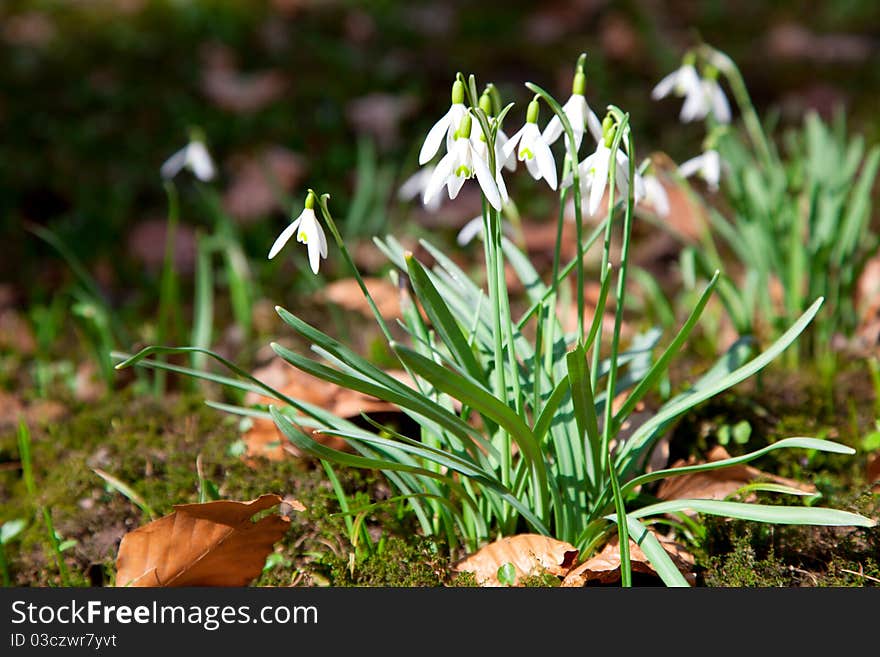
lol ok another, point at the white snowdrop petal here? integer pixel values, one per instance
(690, 167)
(283, 238)
(438, 178)
(667, 84)
(200, 161)
(487, 182)
(546, 164)
(172, 166)
(454, 185)
(435, 138)
(552, 130)
(720, 106)
(469, 231)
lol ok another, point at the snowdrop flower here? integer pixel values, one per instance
(533, 150)
(578, 112)
(702, 95)
(707, 165)
(446, 126)
(474, 227)
(194, 156)
(708, 99)
(461, 162)
(308, 231)
(651, 190)
(481, 146)
(683, 81)
(594, 169)
(416, 185)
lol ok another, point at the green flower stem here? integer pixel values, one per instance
(168, 284)
(738, 86)
(622, 124)
(491, 254)
(576, 185)
(331, 225)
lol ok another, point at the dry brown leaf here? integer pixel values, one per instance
(257, 179)
(235, 91)
(530, 554)
(15, 333)
(347, 293)
(146, 242)
(718, 484)
(604, 568)
(264, 439)
(210, 544)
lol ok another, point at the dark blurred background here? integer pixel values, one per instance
(95, 94)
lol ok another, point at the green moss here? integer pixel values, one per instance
(402, 562)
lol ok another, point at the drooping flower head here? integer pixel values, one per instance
(194, 156)
(650, 189)
(577, 111)
(461, 162)
(707, 165)
(480, 142)
(446, 126)
(308, 231)
(594, 170)
(532, 149)
(702, 94)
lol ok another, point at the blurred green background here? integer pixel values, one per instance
(95, 94)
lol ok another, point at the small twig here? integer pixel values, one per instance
(860, 574)
(805, 572)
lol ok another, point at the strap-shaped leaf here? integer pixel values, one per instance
(785, 443)
(407, 398)
(642, 436)
(584, 407)
(476, 396)
(780, 515)
(443, 321)
(661, 364)
(657, 555)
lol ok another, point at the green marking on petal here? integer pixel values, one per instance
(525, 154)
(463, 172)
(302, 237)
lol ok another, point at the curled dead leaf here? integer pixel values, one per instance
(210, 544)
(530, 554)
(718, 484)
(604, 567)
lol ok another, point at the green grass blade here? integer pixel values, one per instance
(657, 555)
(782, 515)
(786, 443)
(203, 312)
(585, 410)
(643, 435)
(442, 320)
(661, 364)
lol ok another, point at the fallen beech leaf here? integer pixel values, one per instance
(264, 439)
(15, 333)
(210, 544)
(604, 568)
(146, 242)
(718, 484)
(235, 91)
(258, 180)
(530, 554)
(347, 293)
